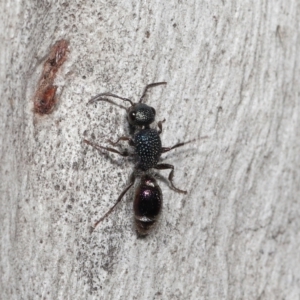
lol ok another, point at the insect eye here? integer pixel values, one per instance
(132, 115)
(153, 110)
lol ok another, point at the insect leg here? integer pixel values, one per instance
(159, 125)
(132, 179)
(122, 138)
(171, 175)
(98, 147)
(166, 149)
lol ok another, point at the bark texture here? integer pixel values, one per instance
(233, 70)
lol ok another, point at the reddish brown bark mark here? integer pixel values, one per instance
(45, 96)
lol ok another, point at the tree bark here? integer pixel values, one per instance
(233, 70)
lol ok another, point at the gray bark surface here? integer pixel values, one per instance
(233, 70)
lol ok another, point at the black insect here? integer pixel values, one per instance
(147, 151)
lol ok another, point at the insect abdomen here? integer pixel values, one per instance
(147, 204)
